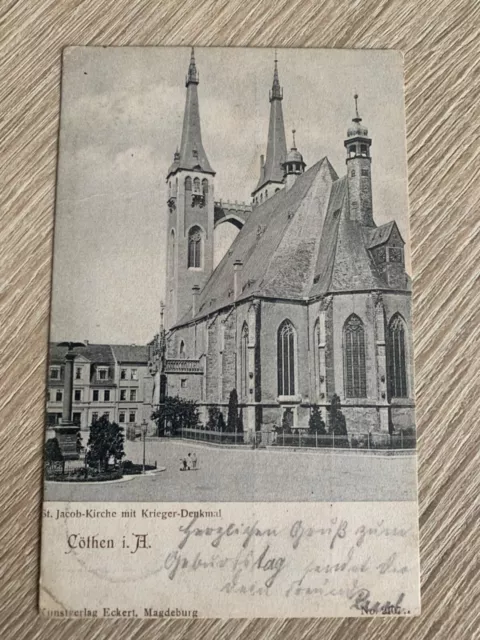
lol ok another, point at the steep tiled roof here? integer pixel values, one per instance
(379, 235)
(130, 353)
(99, 353)
(298, 244)
(277, 245)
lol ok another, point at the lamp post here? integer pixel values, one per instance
(144, 433)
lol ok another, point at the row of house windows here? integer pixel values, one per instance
(102, 373)
(107, 395)
(124, 374)
(122, 416)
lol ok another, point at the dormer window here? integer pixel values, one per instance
(102, 373)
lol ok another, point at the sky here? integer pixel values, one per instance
(121, 121)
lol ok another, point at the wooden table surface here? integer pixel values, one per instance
(441, 42)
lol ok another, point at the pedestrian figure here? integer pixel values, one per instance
(185, 465)
(194, 461)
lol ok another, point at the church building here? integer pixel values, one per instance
(311, 299)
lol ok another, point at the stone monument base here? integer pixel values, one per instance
(66, 434)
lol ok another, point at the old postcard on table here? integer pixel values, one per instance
(230, 426)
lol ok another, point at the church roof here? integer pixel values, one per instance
(298, 244)
(272, 170)
(191, 156)
(380, 235)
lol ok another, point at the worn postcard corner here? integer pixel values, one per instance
(230, 420)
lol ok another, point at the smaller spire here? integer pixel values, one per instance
(357, 129)
(357, 117)
(294, 146)
(192, 75)
(276, 92)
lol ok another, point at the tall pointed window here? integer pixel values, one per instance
(244, 361)
(354, 358)
(188, 183)
(181, 351)
(195, 248)
(196, 185)
(171, 254)
(205, 189)
(316, 359)
(286, 359)
(397, 361)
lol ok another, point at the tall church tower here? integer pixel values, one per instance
(271, 171)
(359, 174)
(190, 211)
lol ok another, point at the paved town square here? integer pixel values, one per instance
(251, 475)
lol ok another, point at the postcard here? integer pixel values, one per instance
(230, 410)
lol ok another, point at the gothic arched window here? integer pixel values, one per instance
(286, 359)
(205, 188)
(195, 248)
(171, 254)
(354, 358)
(196, 185)
(397, 361)
(316, 359)
(181, 351)
(244, 361)
(188, 183)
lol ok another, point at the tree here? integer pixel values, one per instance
(316, 425)
(213, 417)
(337, 422)
(79, 442)
(240, 422)
(232, 419)
(52, 452)
(221, 426)
(178, 412)
(105, 441)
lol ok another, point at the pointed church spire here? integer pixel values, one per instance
(276, 93)
(192, 155)
(276, 143)
(192, 75)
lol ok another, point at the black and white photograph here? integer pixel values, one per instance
(231, 315)
(230, 415)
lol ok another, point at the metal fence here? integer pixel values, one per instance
(220, 437)
(367, 441)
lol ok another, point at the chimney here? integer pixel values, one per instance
(195, 293)
(237, 267)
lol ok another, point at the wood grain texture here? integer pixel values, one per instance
(441, 42)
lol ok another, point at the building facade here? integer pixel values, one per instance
(108, 380)
(312, 299)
